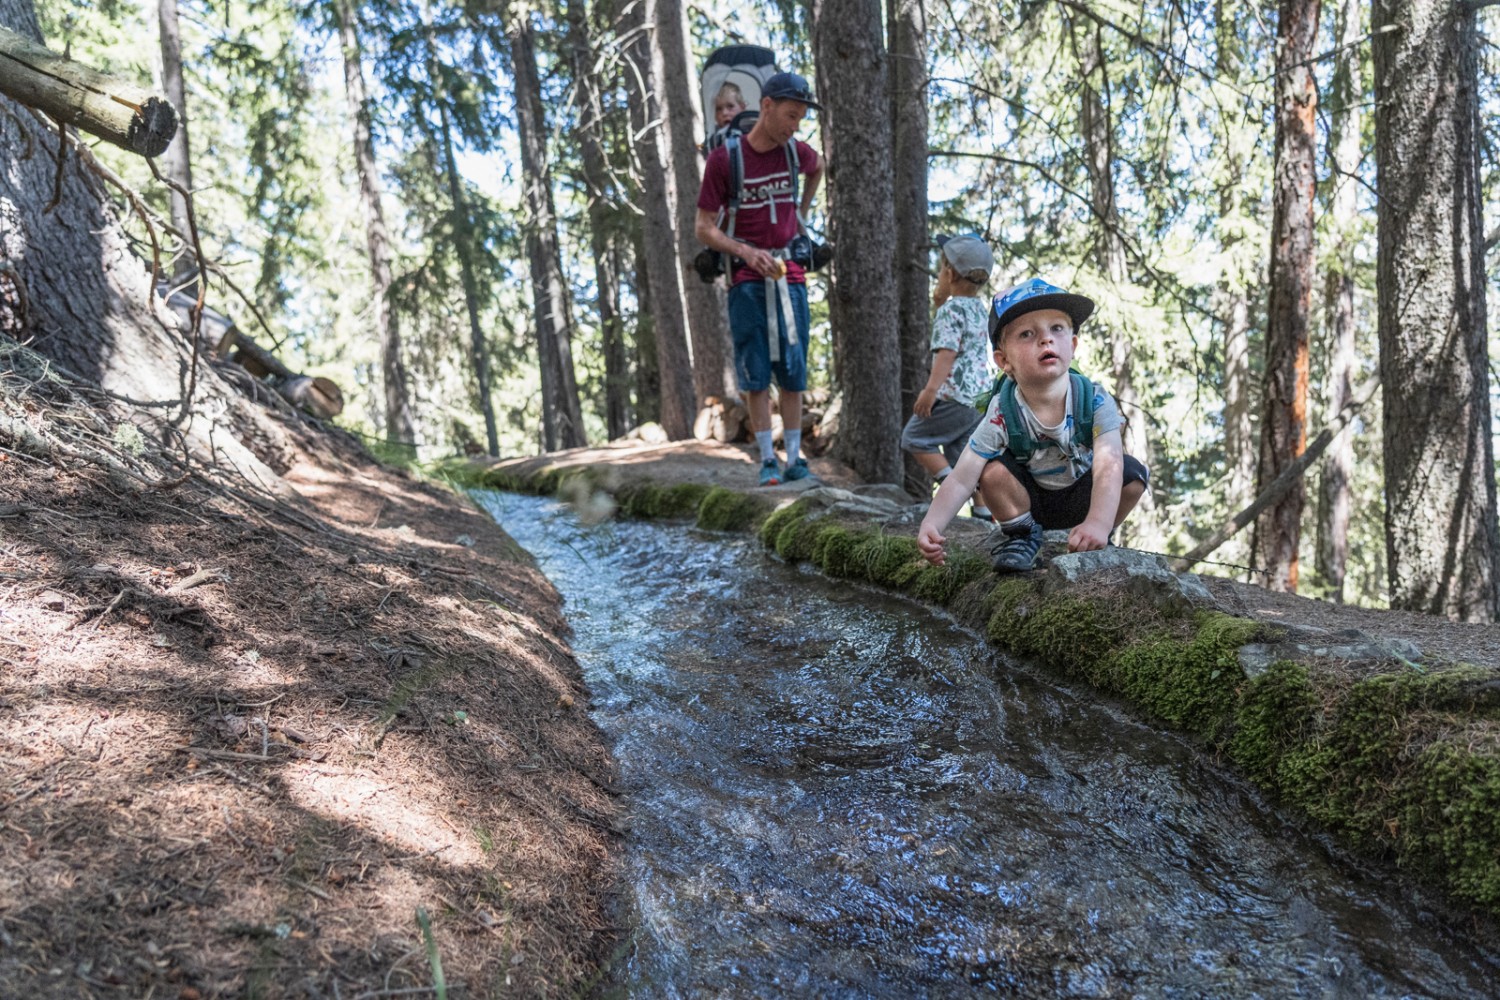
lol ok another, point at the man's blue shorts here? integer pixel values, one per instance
(752, 354)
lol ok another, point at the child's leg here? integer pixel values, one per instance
(1003, 493)
(933, 462)
(1137, 477)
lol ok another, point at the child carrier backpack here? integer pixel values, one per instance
(1019, 442)
(746, 67)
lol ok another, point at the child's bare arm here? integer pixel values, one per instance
(955, 490)
(1104, 500)
(942, 366)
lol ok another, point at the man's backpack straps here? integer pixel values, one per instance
(732, 142)
(1020, 443)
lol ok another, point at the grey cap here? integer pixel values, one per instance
(969, 256)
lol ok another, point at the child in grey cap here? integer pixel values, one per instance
(944, 415)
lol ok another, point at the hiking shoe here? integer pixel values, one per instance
(1016, 553)
(796, 470)
(770, 472)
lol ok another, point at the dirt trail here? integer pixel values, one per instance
(242, 742)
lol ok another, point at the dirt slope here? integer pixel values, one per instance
(242, 741)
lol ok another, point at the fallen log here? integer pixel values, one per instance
(220, 338)
(1283, 483)
(118, 111)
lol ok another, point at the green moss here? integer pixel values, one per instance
(880, 557)
(784, 519)
(1276, 714)
(655, 501)
(1449, 826)
(728, 510)
(942, 584)
(1191, 685)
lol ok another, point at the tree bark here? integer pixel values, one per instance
(669, 323)
(1283, 428)
(1439, 460)
(1241, 275)
(853, 82)
(908, 31)
(1097, 130)
(647, 366)
(675, 82)
(176, 160)
(1338, 468)
(399, 423)
(118, 111)
(81, 297)
(601, 196)
(563, 416)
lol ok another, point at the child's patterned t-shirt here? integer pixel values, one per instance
(962, 324)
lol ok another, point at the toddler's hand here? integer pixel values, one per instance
(1087, 537)
(925, 400)
(930, 543)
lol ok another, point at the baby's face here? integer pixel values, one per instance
(725, 108)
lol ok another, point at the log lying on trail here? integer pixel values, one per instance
(220, 338)
(118, 111)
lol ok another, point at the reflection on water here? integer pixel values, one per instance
(838, 794)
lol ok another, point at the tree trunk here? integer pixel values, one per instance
(601, 196)
(1439, 462)
(676, 394)
(1283, 427)
(1338, 467)
(563, 416)
(853, 82)
(1240, 276)
(176, 161)
(115, 110)
(80, 296)
(399, 423)
(675, 82)
(908, 31)
(1098, 141)
(647, 367)
(463, 244)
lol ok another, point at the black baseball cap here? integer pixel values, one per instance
(790, 87)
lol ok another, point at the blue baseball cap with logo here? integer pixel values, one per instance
(1037, 294)
(790, 87)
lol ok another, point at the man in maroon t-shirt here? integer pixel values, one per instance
(768, 293)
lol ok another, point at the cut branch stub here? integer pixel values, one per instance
(118, 111)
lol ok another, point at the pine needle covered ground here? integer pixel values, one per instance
(244, 740)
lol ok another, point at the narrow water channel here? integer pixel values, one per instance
(834, 793)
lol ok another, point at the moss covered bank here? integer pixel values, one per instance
(1394, 759)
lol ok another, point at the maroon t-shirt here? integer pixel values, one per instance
(768, 216)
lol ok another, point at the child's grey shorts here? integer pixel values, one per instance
(947, 430)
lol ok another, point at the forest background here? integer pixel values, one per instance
(477, 220)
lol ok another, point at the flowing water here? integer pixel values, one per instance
(835, 793)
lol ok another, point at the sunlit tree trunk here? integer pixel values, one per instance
(176, 162)
(563, 419)
(853, 82)
(675, 82)
(1439, 461)
(582, 58)
(908, 31)
(399, 427)
(1344, 154)
(659, 247)
(1283, 427)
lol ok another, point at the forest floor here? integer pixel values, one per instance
(245, 739)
